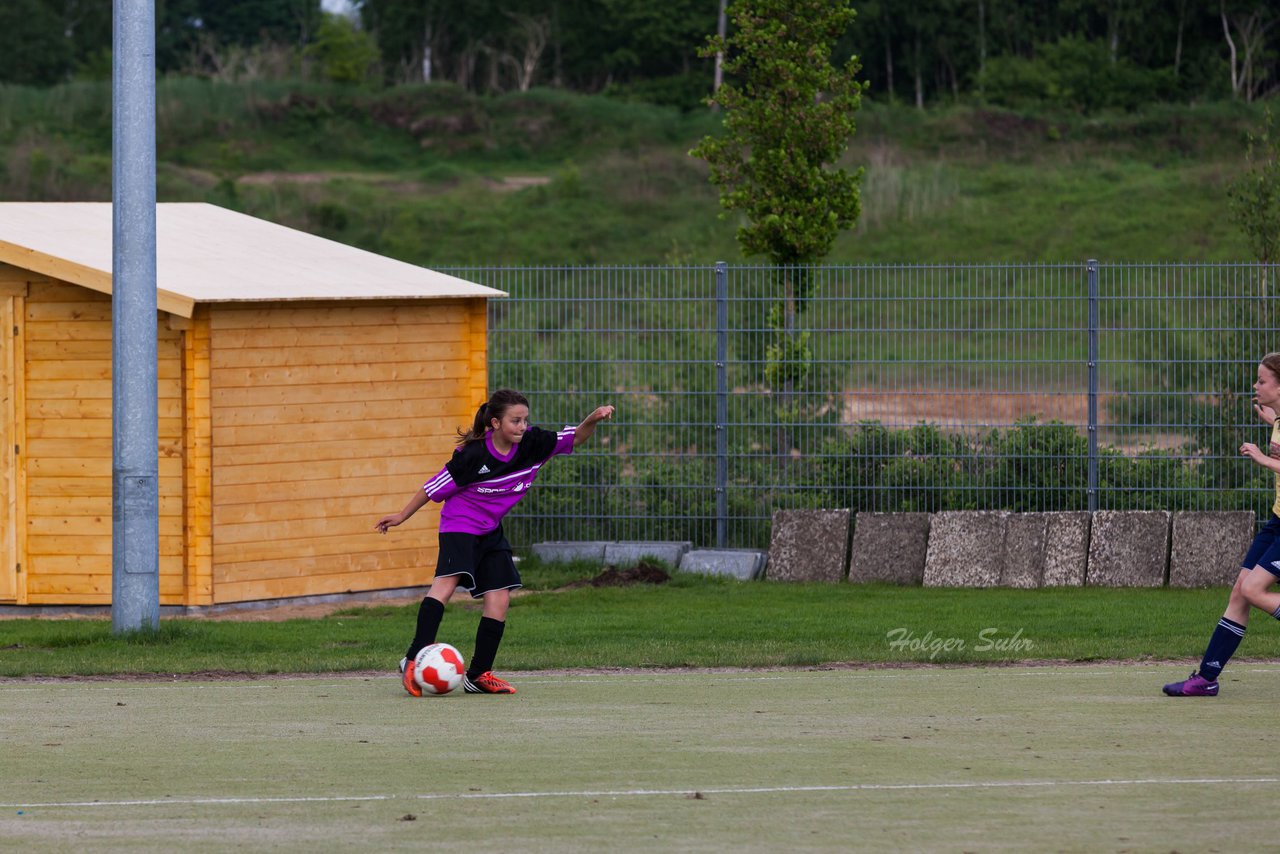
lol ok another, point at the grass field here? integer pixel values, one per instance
(691, 621)
(696, 715)
(1075, 758)
(434, 175)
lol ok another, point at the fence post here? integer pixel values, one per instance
(1092, 490)
(722, 401)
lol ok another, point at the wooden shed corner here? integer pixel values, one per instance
(304, 388)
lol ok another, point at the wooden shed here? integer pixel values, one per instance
(305, 389)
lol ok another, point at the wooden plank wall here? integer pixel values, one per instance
(9, 381)
(326, 417)
(198, 456)
(67, 457)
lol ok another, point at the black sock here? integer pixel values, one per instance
(488, 637)
(430, 612)
(1222, 645)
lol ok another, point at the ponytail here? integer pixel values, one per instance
(495, 407)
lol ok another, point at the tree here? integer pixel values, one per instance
(1251, 27)
(33, 48)
(788, 117)
(345, 54)
(528, 41)
(199, 32)
(250, 22)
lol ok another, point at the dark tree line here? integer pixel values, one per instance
(1081, 54)
(43, 42)
(646, 46)
(929, 50)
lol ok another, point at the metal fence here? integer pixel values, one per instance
(741, 390)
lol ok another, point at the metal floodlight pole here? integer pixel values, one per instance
(135, 498)
(722, 402)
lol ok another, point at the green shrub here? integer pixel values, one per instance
(1075, 74)
(1029, 467)
(687, 91)
(345, 54)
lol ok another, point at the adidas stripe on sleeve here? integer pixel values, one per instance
(441, 486)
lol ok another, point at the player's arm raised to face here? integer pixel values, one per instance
(588, 425)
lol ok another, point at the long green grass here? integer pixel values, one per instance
(419, 173)
(692, 621)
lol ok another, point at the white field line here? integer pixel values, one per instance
(637, 793)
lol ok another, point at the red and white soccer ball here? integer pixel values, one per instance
(438, 668)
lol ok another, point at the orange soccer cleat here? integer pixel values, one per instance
(410, 683)
(487, 683)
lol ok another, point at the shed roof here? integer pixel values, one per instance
(205, 253)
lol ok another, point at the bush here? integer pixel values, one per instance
(1035, 462)
(686, 91)
(1073, 74)
(345, 54)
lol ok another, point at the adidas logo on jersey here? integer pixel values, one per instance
(483, 470)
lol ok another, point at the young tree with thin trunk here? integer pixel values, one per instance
(722, 29)
(788, 117)
(1251, 25)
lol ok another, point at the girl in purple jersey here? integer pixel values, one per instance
(492, 468)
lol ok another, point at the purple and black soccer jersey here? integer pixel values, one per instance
(479, 486)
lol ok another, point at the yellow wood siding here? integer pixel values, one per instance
(65, 457)
(479, 353)
(9, 378)
(326, 417)
(198, 461)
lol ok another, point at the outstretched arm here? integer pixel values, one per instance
(416, 503)
(588, 425)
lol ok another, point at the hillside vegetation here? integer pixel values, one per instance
(436, 175)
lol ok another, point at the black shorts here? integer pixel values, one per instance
(1264, 551)
(482, 560)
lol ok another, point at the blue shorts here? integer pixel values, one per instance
(1264, 551)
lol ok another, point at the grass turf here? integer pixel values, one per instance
(1082, 758)
(692, 621)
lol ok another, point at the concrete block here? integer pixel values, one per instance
(1023, 563)
(889, 547)
(808, 545)
(627, 553)
(745, 564)
(966, 548)
(1045, 550)
(1207, 547)
(1128, 548)
(1066, 548)
(557, 551)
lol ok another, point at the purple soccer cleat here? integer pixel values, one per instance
(1196, 686)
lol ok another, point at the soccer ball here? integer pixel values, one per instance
(438, 668)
